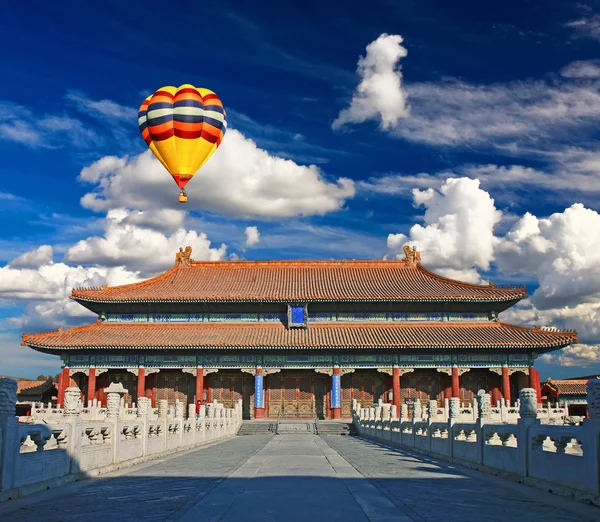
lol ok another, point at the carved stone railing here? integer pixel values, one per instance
(508, 440)
(75, 442)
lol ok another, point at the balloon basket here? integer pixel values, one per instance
(182, 197)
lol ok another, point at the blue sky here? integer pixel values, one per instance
(507, 94)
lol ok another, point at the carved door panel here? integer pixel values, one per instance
(275, 395)
(306, 398)
(293, 394)
(290, 396)
(320, 396)
(366, 387)
(227, 387)
(174, 385)
(346, 395)
(477, 379)
(248, 396)
(423, 385)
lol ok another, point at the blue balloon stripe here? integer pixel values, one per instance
(160, 120)
(188, 118)
(160, 105)
(215, 123)
(189, 103)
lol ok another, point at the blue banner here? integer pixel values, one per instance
(259, 396)
(335, 391)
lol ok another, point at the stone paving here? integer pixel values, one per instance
(292, 478)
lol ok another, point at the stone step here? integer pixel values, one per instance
(257, 428)
(336, 428)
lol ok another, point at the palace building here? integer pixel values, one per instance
(303, 338)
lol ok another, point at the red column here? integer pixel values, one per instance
(534, 382)
(64, 381)
(141, 383)
(91, 391)
(336, 412)
(199, 384)
(455, 382)
(495, 396)
(259, 413)
(59, 396)
(505, 384)
(396, 389)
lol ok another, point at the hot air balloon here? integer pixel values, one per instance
(182, 126)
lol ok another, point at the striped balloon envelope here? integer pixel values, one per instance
(182, 126)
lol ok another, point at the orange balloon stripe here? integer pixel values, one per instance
(146, 136)
(190, 127)
(162, 127)
(188, 96)
(167, 94)
(211, 128)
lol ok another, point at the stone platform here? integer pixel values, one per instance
(296, 478)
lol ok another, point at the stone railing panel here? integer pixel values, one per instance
(80, 441)
(507, 440)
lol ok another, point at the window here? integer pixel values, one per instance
(297, 316)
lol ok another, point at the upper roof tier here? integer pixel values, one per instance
(299, 281)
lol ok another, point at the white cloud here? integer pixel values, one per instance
(33, 259)
(581, 355)
(587, 26)
(563, 251)
(164, 220)
(582, 69)
(137, 247)
(380, 94)
(527, 116)
(44, 289)
(134, 245)
(101, 108)
(252, 236)
(509, 116)
(240, 180)
(21, 125)
(457, 235)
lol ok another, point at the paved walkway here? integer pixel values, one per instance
(296, 477)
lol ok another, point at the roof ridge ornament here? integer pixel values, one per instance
(183, 257)
(413, 257)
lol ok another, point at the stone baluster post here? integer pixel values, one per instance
(403, 411)
(163, 408)
(113, 399)
(9, 427)
(191, 411)
(72, 402)
(178, 409)
(453, 418)
(431, 410)
(418, 410)
(143, 406)
(528, 417)
(484, 407)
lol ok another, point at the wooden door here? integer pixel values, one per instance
(227, 387)
(293, 394)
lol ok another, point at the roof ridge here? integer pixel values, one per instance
(244, 263)
(470, 285)
(137, 284)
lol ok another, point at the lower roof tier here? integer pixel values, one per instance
(489, 335)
